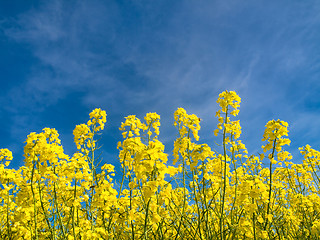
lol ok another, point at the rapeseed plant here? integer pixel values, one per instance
(205, 194)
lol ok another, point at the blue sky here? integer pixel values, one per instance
(61, 59)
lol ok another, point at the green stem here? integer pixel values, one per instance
(270, 183)
(34, 202)
(8, 220)
(224, 179)
(73, 208)
(57, 207)
(44, 211)
(132, 227)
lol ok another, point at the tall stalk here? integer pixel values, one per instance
(184, 191)
(223, 193)
(270, 182)
(34, 201)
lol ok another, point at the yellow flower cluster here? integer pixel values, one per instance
(205, 195)
(275, 130)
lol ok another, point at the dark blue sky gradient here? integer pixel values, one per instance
(61, 59)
